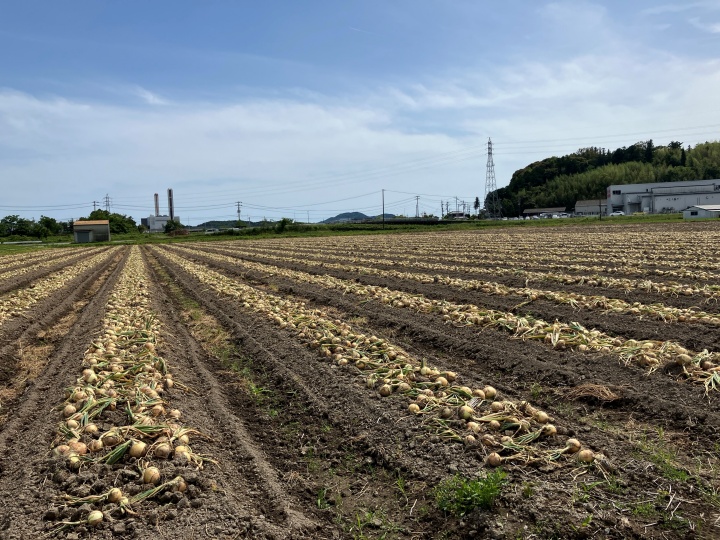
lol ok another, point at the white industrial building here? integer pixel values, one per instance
(157, 223)
(662, 197)
(706, 211)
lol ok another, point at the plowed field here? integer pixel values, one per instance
(525, 384)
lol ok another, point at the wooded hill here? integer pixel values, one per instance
(585, 174)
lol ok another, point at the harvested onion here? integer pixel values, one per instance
(95, 518)
(151, 475)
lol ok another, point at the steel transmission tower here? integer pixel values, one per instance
(492, 203)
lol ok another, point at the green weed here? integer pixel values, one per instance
(459, 496)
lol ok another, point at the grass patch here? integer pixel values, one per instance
(459, 496)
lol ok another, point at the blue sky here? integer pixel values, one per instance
(312, 108)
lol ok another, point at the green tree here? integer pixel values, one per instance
(476, 205)
(173, 225)
(50, 224)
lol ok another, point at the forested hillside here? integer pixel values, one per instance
(585, 174)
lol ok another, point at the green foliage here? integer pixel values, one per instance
(586, 174)
(459, 496)
(172, 226)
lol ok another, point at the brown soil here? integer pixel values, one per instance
(305, 450)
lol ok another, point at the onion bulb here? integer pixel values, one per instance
(79, 448)
(549, 430)
(72, 424)
(474, 426)
(175, 414)
(469, 440)
(446, 412)
(182, 451)
(541, 417)
(494, 459)
(95, 445)
(573, 445)
(465, 412)
(138, 449)
(478, 393)
(163, 450)
(497, 406)
(586, 456)
(494, 425)
(385, 390)
(95, 518)
(114, 495)
(181, 486)
(61, 449)
(151, 475)
(490, 392)
(69, 410)
(414, 408)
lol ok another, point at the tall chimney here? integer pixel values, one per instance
(171, 206)
(157, 205)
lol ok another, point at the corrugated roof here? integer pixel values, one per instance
(92, 222)
(544, 210)
(591, 202)
(708, 207)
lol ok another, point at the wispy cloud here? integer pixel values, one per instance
(149, 97)
(681, 7)
(713, 28)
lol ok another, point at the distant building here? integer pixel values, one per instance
(91, 231)
(157, 223)
(662, 197)
(538, 211)
(704, 211)
(592, 207)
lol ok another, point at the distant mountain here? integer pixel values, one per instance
(352, 216)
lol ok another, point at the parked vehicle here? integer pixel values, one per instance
(617, 213)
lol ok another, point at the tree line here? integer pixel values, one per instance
(17, 227)
(586, 174)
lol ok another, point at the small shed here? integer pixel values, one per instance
(704, 211)
(91, 231)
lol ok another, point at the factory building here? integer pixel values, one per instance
(97, 230)
(662, 197)
(157, 222)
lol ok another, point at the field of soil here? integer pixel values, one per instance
(439, 385)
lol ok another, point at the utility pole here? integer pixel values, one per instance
(383, 208)
(417, 206)
(95, 203)
(456, 203)
(107, 202)
(239, 206)
(308, 217)
(494, 210)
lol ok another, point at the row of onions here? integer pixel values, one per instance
(504, 430)
(16, 302)
(656, 249)
(613, 305)
(17, 265)
(557, 275)
(117, 412)
(699, 367)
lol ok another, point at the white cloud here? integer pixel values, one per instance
(682, 7)
(713, 28)
(149, 97)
